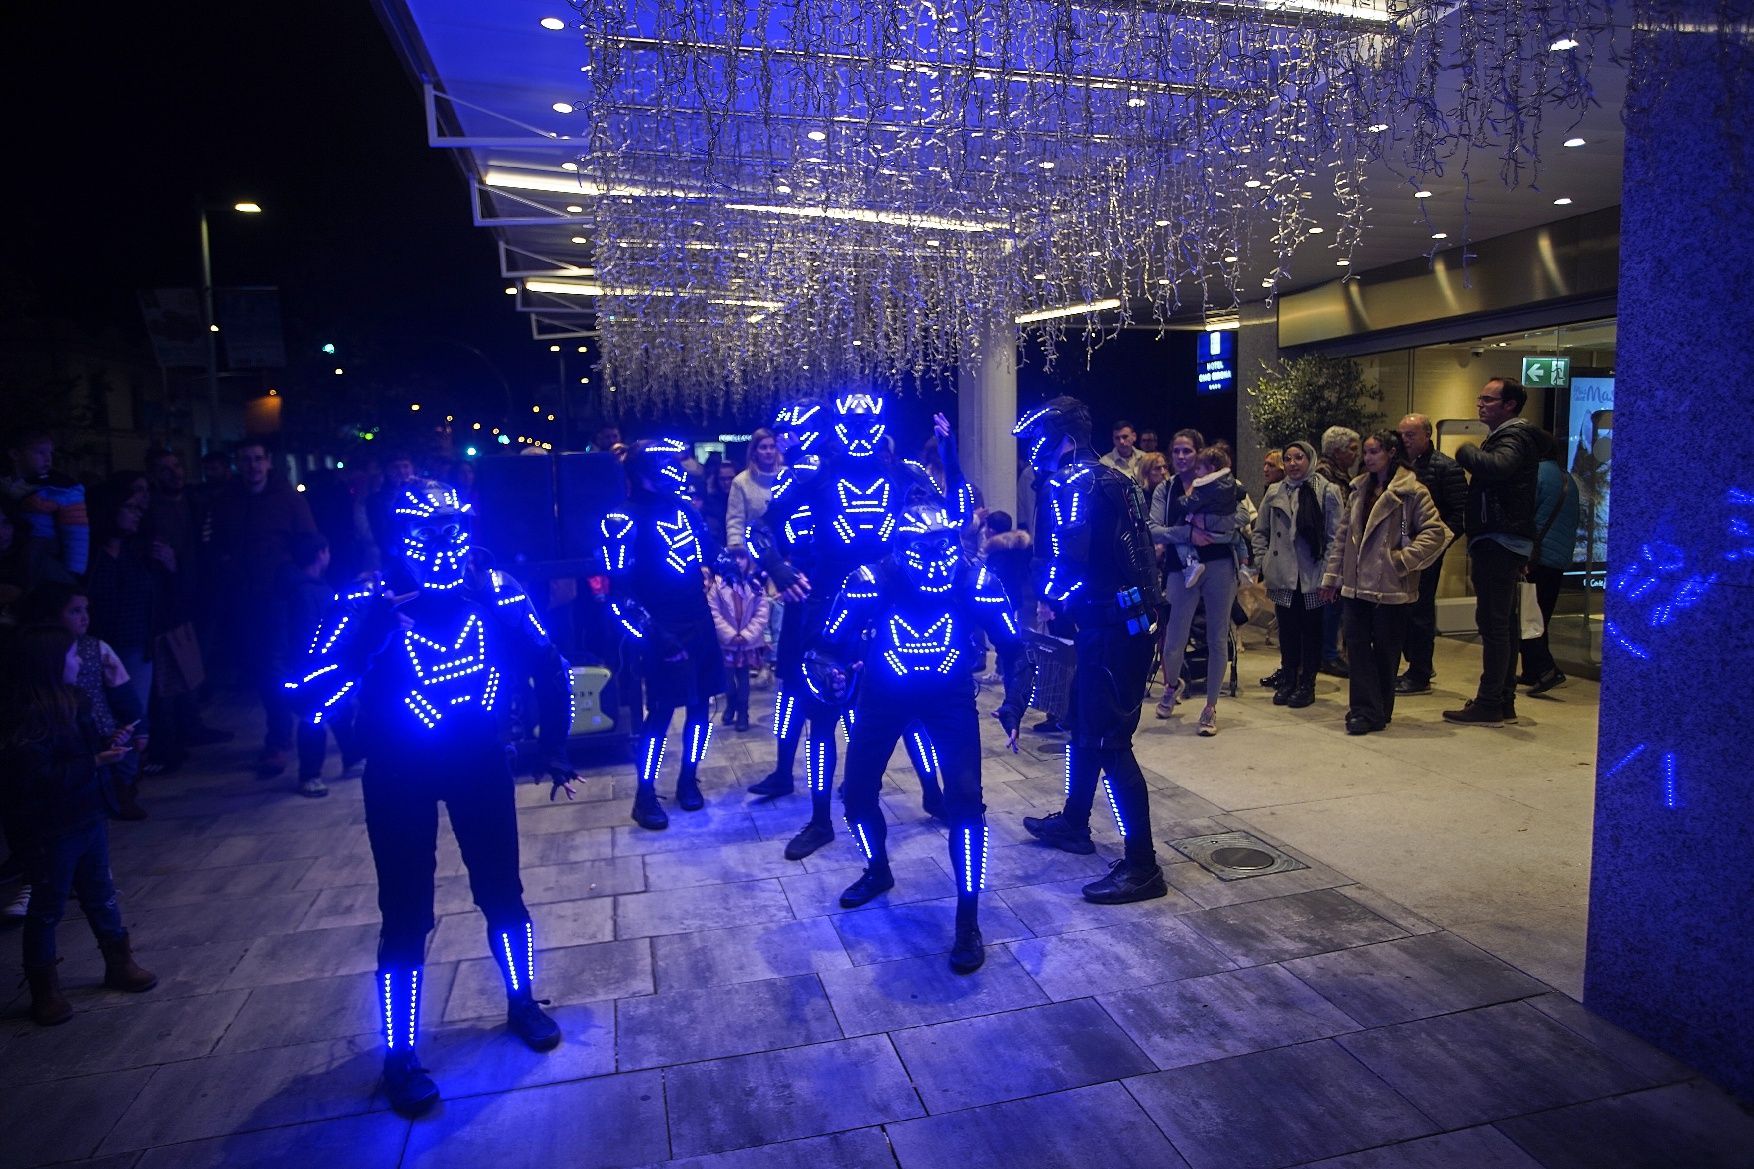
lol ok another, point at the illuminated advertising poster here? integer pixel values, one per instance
(1589, 454)
(1216, 366)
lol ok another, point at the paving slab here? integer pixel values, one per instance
(373, 1141)
(252, 1090)
(1276, 1108)
(132, 1034)
(1490, 1063)
(323, 1008)
(779, 1095)
(913, 992)
(1031, 1052)
(197, 925)
(718, 1021)
(1095, 1126)
(565, 847)
(886, 933)
(1468, 1148)
(746, 953)
(1058, 906)
(1291, 927)
(481, 1057)
(681, 911)
(1412, 978)
(863, 1148)
(575, 974)
(309, 954)
(1232, 1013)
(591, 1124)
(1693, 1125)
(718, 864)
(707, 827)
(63, 1120)
(816, 892)
(1117, 957)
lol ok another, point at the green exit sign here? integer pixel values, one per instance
(1547, 372)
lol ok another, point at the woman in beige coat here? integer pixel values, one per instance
(1389, 532)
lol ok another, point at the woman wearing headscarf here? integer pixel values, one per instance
(1299, 517)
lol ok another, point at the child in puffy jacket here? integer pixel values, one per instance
(1210, 505)
(740, 610)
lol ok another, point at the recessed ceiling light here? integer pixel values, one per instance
(569, 166)
(1562, 44)
(1041, 276)
(1266, 284)
(1094, 254)
(1574, 142)
(1440, 235)
(562, 107)
(553, 23)
(1045, 164)
(817, 136)
(1252, 183)
(581, 348)
(782, 189)
(554, 349)
(1422, 194)
(1161, 223)
(934, 243)
(579, 239)
(1377, 128)
(1135, 102)
(1342, 263)
(574, 209)
(1162, 280)
(511, 291)
(1317, 230)
(1232, 259)
(1562, 201)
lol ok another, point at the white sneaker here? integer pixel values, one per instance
(314, 788)
(1192, 573)
(15, 905)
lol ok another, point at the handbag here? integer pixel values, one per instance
(177, 664)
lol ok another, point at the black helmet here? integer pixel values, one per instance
(1043, 428)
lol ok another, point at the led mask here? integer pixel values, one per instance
(660, 461)
(857, 423)
(928, 548)
(1043, 429)
(436, 527)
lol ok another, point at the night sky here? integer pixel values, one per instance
(125, 118)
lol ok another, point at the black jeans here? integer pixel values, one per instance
(1108, 695)
(1496, 570)
(401, 819)
(1537, 653)
(947, 715)
(1421, 638)
(1374, 634)
(313, 740)
(1300, 641)
(737, 697)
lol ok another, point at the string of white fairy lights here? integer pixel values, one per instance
(803, 194)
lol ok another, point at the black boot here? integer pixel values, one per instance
(1060, 832)
(1303, 696)
(1127, 882)
(688, 796)
(969, 952)
(409, 1089)
(778, 783)
(872, 883)
(527, 1020)
(648, 812)
(121, 972)
(810, 838)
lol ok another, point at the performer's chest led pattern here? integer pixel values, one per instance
(680, 544)
(450, 672)
(862, 512)
(1068, 509)
(907, 650)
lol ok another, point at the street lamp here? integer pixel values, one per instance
(245, 208)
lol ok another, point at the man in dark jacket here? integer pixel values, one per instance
(1448, 484)
(1500, 524)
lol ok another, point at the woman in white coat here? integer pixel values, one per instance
(1299, 516)
(1389, 533)
(751, 488)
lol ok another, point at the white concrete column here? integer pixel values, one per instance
(987, 409)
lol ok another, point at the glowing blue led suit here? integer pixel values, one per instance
(1095, 565)
(917, 646)
(433, 677)
(825, 522)
(654, 549)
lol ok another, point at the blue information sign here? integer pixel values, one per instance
(1217, 362)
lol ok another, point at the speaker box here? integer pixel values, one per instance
(590, 484)
(514, 506)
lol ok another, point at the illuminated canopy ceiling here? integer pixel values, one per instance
(755, 197)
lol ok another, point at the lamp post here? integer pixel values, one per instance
(207, 317)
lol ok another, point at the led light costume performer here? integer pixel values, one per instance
(821, 525)
(432, 670)
(911, 617)
(1096, 566)
(654, 552)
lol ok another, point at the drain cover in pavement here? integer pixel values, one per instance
(1231, 856)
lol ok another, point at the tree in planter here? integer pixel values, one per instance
(1306, 395)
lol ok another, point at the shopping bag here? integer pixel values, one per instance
(176, 658)
(1533, 626)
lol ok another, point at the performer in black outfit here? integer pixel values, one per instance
(432, 670)
(821, 525)
(1095, 566)
(910, 619)
(654, 553)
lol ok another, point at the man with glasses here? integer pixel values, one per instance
(1500, 526)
